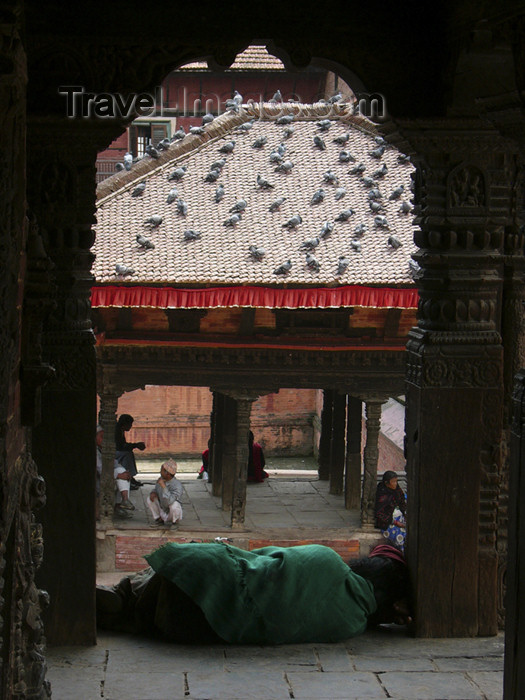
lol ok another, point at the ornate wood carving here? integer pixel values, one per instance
(370, 458)
(353, 453)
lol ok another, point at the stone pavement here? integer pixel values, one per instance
(383, 663)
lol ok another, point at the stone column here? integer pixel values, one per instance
(107, 418)
(338, 444)
(217, 448)
(325, 438)
(370, 458)
(354, 412)
(455, 377)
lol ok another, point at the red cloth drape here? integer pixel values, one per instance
(259, 297)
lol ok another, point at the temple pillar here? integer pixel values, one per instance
(107, 418)
(217, 448)
(325, 439)
(454, 376)
(338, 444)
(354, 412)
(370, 459)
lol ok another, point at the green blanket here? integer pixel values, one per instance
(272, 595)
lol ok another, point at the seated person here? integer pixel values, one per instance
(204, 470)
(255, 461)
(390, 509)
(124, 449)
(205, 593)
(165, 500)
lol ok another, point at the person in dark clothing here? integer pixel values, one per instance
(389, 497)
(124, 449)
(256, 461)
(215, 593)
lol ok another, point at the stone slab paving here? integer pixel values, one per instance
(384, 663)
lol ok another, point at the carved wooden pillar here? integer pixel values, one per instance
(370, 458)
(61, 194)
(107, 418)
(455, 377)
(217, 448)
(514, 675)
(325, 439)
(338, 444)
(354, 411)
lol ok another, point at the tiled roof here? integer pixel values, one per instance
(220, 256)
(252, 58)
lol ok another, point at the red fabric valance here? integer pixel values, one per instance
(258, 297)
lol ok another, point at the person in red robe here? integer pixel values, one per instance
(256, 461)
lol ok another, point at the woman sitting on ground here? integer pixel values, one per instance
(390, 509)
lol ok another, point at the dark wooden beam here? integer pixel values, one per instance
(325, 438)
(353, 453)
(338, 444)
(393, 317)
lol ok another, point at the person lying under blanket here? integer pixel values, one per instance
(211, 593)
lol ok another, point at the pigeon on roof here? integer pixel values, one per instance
(172, 195)
(327, 229)
(218, 164)
(239, 206)
(274, 206)
(319, 143)
(182, 207)
(356, 245)
(256, 253)
(163, 145)
(128, 161)
(283, 269)
(227, 147)
(263, 183)
(396, 194)
(368, 181)
(293, 222)
(139, 189)
(179, 134)
(178, 174)
(152, 151)
(197, 130)
(381, 172)
(123, 270)
(285, 167)
(345, 215)
(405, 208)
(378, 152)
(318, 196)
(381, 221)
(288, 131)
(375, 206)
(232, 220)
(207, 119)
(191, 235)
(360, 229)
(119, 167)
(338, 97)
(341, 140)
(358, 169)
(394, 242)
(342, 264)
(346, 157)
(219, 193)
(153, 221)
(259, 142)
(144, 242)
(339, 193)
(277, 97)
(330, 178)
(285, 119)
(212, 176)
(324, 124)
(403, 159)
(246, 126)
(310, 244)
(312, 262)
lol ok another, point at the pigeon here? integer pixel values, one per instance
(246, 126)
(312, 262)
(232, 220)
(379, 140)
(345, 215)
(256, 253)
(123, 270)
(319, 143)
(219, 193)
(330, 177)
(182, 207)
(381, 172)
(260, 142)
(327, 229)
(375, 206)
(153, 221)
(378, 152)
(339, 193)
(274, 206)
(285, 167)
(212, 176)
(318, 197)
(237, 97)
(139, 189)
(163, 145)
(402, 158)
(360, 229)
(232, 106)
(381, 221)
(358, 169)
(227, 147)
(207, 119)
(346, 157)
(405, 208)
(396, 194)
(324, 124)
(356, 245)
(368, 181)
(341, 140)
(283, 269)
(277, 97)
(179, 134)
(293, 222)
(275, 157)
(338, 97)
(196, 130)
(152, 151)
(191, 235)
(219, 164)
(172, 195)
(374, 193)
(281, 149)
(415, 269)
(128, 161)
(394, 242)
(286, 119)
(263, 183)
(238, 207)
(144, 242)
(288, 131)
(119, 167)
(309, 244)
(177, 174)
(342, 264)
